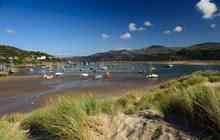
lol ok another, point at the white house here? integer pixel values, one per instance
(42, 58)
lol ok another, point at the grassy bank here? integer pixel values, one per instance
(191, 102)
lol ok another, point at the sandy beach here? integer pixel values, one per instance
(25, 93)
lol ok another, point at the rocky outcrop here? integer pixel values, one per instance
(145, 125)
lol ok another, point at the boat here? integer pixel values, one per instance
(31, 70)
(151, 74)
(48, 77)
(153, 68)
(58, 74)
(84, 75)
(98, 77)
(170, 66)
(104, 68)
(108, 75)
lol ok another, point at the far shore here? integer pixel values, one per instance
(190, 62)
(185, 62)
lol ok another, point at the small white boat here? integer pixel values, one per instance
(97, 77)
(48, 77)
(153, 68)
(84, 75)
(149, 76)
(31, 70)
(59, 74)
(104, 68)
(170, 65)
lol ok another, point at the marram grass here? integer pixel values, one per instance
(9, 131)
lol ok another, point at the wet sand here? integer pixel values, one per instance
(25, 93)
(16, 93)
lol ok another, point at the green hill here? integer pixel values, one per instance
(15, 55)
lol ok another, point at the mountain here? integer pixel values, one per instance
(203, 51)
(12, 54)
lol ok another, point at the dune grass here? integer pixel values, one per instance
(9, 131)
(67, 119)
(190, 101)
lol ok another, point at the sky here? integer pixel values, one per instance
(83, 27)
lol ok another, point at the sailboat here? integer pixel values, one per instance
(151, 73)
(170, 65)
(59, 70)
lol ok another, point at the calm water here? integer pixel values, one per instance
(121, 73)
(124, 69)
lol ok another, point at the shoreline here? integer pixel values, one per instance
(26, 93)
(186, 62)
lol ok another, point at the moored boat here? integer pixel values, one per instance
(151, 74)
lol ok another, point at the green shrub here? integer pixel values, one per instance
(9, 131)
(127, 104)
(108, 107)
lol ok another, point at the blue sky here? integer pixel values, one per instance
(82, 27)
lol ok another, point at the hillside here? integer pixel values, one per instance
(204, 51)
(12, 54)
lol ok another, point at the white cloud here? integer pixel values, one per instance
(208, 8)
(125, 36)
(105, 36)
(141, 29)
(132, 27)
(213, 26)
(167, 32)
(147, 23)
(10, 31)
(178, 29)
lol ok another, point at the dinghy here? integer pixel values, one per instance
(151, 74)
(48, 77)
(98, 77)
(170, 66)
(84, 75)
(58, 74)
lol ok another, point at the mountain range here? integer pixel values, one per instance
(203, 51)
